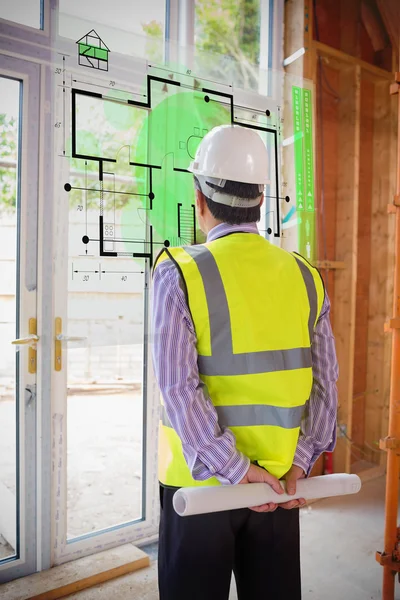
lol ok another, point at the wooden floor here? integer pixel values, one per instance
(77, 575)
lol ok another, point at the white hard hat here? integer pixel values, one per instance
(233, 153)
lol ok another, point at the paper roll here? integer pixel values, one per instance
(200, 500)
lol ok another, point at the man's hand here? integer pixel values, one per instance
(291, 478)
(258, 475)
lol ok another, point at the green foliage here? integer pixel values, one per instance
(227, 39)
(154, 29)
(230, 29)
(154, 40)
(8, 152)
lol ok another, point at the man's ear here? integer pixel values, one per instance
(262, 200)
(200, 202)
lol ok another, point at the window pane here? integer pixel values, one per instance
(9, 224)
(228, 41)
(126, 26)
(23, 12)
(106, 306)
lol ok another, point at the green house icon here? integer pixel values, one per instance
(92, 51)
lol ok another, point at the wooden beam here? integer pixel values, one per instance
(299, 34)
(363, 265)
(390, 13)
(294, 34)
(346, 251)
(379, 303)
(393, 463)
(76, 575)
(296, 37)
(327, 154)
(336, 56)
(389, 284)
(309, 67)
(329, 264)
(372, 473)
(372, 23)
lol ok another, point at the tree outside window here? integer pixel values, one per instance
(227, 40)
(8, 162)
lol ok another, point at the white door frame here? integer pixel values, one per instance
(140, 530)
(39, 51)
(29, 76)
(123, 69)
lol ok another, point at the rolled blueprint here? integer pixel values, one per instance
(200, 500)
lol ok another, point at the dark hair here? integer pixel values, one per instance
(230, 214)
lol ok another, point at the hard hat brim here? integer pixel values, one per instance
(227, 176)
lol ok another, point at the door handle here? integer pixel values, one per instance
(25, 341)
(59, 339)
(30, 340)
(70, 338)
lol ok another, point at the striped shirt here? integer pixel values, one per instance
(210, 450)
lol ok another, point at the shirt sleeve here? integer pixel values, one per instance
(318, 428)
(209, 450)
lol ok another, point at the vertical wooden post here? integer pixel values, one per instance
(346, 251)
(309, 67)
(378, 365)
(297, 36)
(394, 119)
(392, 478)
(363, 269)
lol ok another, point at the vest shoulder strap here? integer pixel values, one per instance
(313, 281)
(161, 257)
(170, 254)
(173, 254)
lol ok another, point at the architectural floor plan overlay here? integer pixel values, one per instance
(128, 157)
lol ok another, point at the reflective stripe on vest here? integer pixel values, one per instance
(312, 295)
(223, 361)
(252, 414)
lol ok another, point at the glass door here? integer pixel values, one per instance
(9, 359)
(106, 325)
(102, 305)
(19, 109)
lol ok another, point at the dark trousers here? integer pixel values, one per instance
(197, 554)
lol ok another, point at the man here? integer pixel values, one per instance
(245, 360)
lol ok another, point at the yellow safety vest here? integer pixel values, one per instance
(254, 307)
